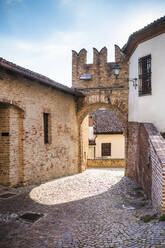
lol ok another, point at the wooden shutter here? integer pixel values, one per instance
(106, 149)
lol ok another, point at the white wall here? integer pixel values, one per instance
(90, 133)
(149, 108)
(117, 144)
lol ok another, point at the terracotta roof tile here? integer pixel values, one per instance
(106, 122)
(153, 29)
(36, 76)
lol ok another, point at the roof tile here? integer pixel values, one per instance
(106, 122)
(36, 76)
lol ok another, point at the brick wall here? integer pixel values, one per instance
(4, 144)
(144, 168)
(132, 149)
(16, 170)
(30, 159)
(157, 161)
(105, 163)
(100, 70)
(84, 143)
(146, 161)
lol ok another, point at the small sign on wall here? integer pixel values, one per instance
(85, 77)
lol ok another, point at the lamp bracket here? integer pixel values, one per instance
(133, 80)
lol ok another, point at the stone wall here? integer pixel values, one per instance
(157, 163)
(16, 170)
(106, 163)
(84, 143)
(132, 149)
(100, 71)
(30, 159)
(103, 89)
(115, 100)
(144, 168)
(146, 161)
(4, 144)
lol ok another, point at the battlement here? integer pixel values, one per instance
(99, 73)
(98, 57)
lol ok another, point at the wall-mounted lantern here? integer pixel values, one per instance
(116, 71)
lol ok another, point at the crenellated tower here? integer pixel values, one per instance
(99, 74)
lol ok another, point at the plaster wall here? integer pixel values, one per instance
(90, 133)
(117, 145)
(149, 108)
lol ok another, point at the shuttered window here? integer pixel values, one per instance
(106, 149)
(145, 75)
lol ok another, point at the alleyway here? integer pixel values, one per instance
(98, 208)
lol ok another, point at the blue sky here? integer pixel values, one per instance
(40, 34)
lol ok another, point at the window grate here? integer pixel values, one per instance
(145, 75)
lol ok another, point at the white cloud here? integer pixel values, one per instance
(52, 56)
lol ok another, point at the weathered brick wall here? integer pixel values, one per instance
(144, 168)
(163, 190)
(4, 144)
(132, 152)
(106, 163)
(40, 161)
(157, 180)
(157, 162)
(103, 90)
(101, 71)
(16, 174)
(146, 161)
(84, 143)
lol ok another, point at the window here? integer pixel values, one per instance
(106, 149)
(145, 75)
(46, 117)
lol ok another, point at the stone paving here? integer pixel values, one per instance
(98, 208)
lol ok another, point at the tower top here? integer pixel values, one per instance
(97, 74)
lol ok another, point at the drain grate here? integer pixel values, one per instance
(31, 217)
(7, 195)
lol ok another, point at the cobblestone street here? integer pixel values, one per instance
(98, 208)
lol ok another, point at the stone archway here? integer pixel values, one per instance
(11, 144)
(89, 108)
(114, 100)
(100, 86)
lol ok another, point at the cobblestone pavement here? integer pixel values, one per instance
(98, 208)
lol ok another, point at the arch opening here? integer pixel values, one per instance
(108, 146)
(11, 144)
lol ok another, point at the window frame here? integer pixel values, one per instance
(145, 87)
(104, 149)
(46, 124)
